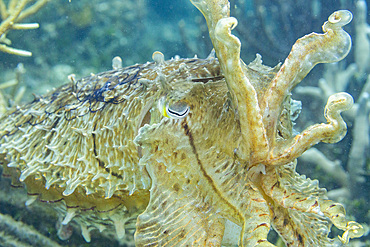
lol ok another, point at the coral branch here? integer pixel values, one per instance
(15, 51)
(332, 168)
(32, 9)
(14, 13)
(24, 235)
(362, 41)
(3, 11)
(361, 140)
(9, 21)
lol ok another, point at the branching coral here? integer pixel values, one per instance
(17, 90)
(17, 234)
(11, 15)
(362, 42)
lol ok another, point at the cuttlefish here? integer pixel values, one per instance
(189, 152)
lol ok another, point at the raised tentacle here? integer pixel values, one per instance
(331, 46)
(331, 132)
(244, 96)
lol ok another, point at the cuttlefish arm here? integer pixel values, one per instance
(331, 46)
(244, 96)
(259, 119)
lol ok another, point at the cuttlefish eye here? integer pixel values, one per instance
(174, 110)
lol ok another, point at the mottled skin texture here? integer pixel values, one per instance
(104, 149)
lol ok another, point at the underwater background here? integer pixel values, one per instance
(83, 36)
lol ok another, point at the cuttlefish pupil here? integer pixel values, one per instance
(174, 110)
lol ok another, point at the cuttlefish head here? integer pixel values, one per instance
(192, 113)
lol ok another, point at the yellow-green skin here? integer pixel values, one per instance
(103, 149)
